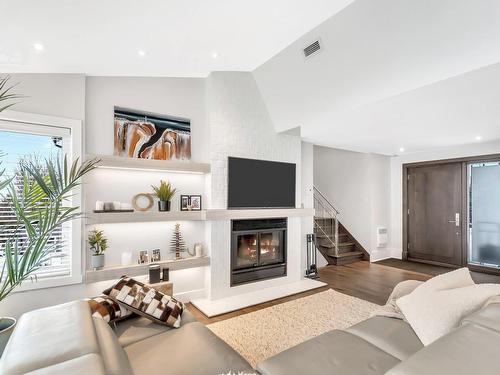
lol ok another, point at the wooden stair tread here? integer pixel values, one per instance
(348, 254)
(346, 244)
(328, 245)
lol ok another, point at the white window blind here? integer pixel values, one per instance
(37, 143)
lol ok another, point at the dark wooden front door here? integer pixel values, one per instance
(434, 194)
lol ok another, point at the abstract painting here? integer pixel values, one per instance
(147, 135)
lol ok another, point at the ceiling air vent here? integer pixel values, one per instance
(312, 48)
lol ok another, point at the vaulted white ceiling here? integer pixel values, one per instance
(412, 74)
(392, 74)
(177, 37)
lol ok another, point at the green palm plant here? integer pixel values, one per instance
(40, 206)
(165, 191)
(6, 94)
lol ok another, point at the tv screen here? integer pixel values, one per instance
(260, 184)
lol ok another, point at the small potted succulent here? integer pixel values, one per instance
(164, 193)
(98, 244)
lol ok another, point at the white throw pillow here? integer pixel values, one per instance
(449, 280)
(437, 306)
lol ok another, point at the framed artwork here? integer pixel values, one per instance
(184, 202)
(195, 201)
(147, 135)
(190, 202)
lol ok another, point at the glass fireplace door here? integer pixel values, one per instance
(271, 247)
(246, 254)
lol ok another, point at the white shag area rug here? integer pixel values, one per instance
(264, 333)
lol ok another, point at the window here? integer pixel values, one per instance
(20, 140)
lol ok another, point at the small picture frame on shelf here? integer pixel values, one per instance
(156, 256)
(143, 257)
(195, 202)
(184, 202)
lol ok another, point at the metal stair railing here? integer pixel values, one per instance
(326, 219)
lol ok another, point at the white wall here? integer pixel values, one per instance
(397, 162)
(180, 97)
(307, 177)
(358, 185)
(61, 95)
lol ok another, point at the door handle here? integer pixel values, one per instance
(456, 221)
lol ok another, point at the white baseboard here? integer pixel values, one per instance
(381, 254)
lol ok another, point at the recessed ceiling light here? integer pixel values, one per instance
(401, 149)
(38, 46)
(215, 55)
(478, 137)
(141, 53)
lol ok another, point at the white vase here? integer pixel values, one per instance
(7, 325)
(198, 250)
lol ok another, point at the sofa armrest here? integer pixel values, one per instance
(470, 349)
(49, 336)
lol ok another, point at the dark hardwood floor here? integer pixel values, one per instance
(369, 281)
(430, 269)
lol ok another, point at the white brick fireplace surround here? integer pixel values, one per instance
(228, 118)
(240, 126)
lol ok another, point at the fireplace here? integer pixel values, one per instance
(258, 250)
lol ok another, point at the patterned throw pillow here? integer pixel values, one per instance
(147, 301)
(105, 308)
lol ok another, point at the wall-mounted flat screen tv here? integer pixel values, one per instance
(260, 184)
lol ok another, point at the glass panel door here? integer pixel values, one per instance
(247, 255)
(484, 214)
(271, 247)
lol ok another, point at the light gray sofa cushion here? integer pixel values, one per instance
(132, 330)
(334, 352)
(392, 335)
(190, 350)
(488, 317)
(470, 349)
(84, 365)
(53, 335)
(114, 357)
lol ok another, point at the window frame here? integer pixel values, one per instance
(13, 121)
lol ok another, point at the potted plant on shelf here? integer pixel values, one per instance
(164, 192)
(37, 197)
(98, 245)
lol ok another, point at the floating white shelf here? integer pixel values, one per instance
(204, 215)
(139, 217)
(115, 272)
(117, 162)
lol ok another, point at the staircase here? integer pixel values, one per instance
(332, 239)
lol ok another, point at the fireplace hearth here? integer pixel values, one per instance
(258, 250)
